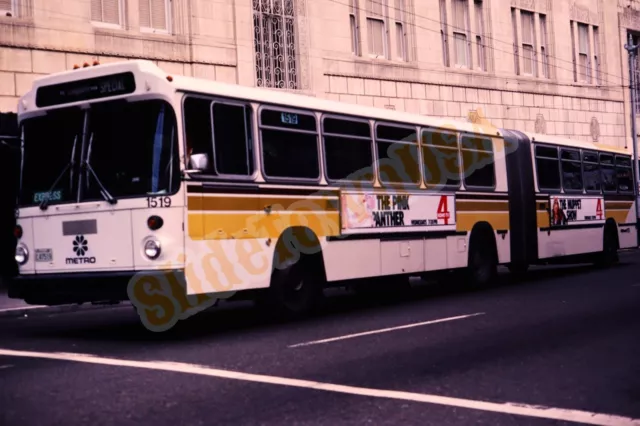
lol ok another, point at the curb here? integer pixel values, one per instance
(47, 310)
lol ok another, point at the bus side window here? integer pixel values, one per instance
(441, 160)
(547, 168)
(197, 118)
(623, 174)
(571, 170)
(478, 168)
(289, 144)
(348, 149)
(233, 153)
(397, 154)
(591, 170)
(609, 181)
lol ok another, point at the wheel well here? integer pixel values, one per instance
(296, 244)
(483, 233)
(611, 226)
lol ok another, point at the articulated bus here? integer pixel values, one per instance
(228, 191)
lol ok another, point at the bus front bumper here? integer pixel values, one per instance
(61, 289)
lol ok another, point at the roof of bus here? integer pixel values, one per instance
(574, 143)
(293, 100)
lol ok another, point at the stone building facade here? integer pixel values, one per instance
(552, 66)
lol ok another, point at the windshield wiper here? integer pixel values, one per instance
(103, 191)
(45, 202)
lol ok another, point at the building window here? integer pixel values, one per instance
(355, 27)
(104, 12)
(481, 49)
(401, 31)
(155, 16)
(275, 44)
(377, 28)
(516, 45)
(544, 47)
(7, 8)
(528, 43)
(444, 32)
(596, 55)
(460, 33)
(583, 53)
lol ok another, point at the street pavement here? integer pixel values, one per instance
(562, 347)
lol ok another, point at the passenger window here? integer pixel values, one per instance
(440, 159)
(226, 141)
(624, 174)
(571, 170)
(547, 168)
(289, 144)
(609, 182)
(232, 139)
(478, 169)
(197, 121)
(397, 154)
(591, 169)
(348, 150)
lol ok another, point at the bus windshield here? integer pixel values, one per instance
(131, 151)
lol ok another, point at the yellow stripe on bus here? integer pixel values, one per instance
(260, 203)
(466, 220)
(222, 226)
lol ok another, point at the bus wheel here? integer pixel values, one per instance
(609, 254)
(482, 269)
(295, 291)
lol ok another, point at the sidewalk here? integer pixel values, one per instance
(18, 308)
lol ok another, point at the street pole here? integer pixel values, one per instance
(633, 51)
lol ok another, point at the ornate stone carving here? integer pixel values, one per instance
(541, 124)
(595, 129)
(579, 13)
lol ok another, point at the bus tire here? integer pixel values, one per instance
(295, 291)
(609, 254)
(482, 268)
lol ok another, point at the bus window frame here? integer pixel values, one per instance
(407, 126)
(560, 159)
(451, 188)
(535, 145)
(584, 152)
(248, 143)
(613, 165)
(260, 126)
(208, 176)
(374, 164)
(493, 154)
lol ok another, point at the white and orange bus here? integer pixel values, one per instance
(128, 172)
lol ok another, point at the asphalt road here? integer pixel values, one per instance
(563, 347)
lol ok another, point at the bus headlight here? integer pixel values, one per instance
(152, 248)
(22, 254)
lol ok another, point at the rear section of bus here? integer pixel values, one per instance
(100, 196)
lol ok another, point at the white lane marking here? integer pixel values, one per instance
(22, 308)
(385, 330)
(504, 408)
(636, 285)
(6, 366)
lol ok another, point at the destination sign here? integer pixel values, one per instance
(84, 90)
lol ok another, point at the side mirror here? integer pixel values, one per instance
(199, 161)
